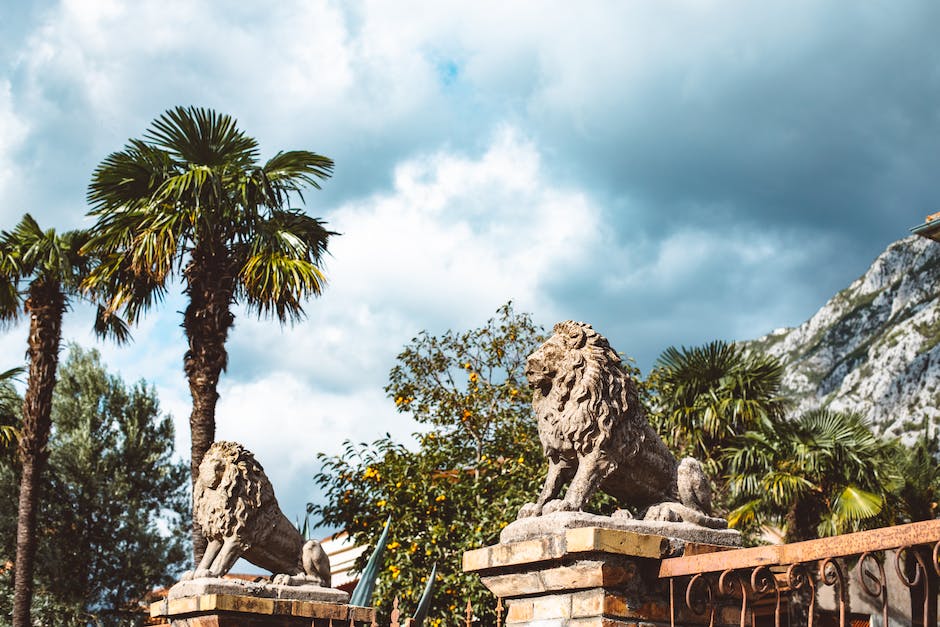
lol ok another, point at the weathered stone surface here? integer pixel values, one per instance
(528, 529)
(616, 541)
(596, 436)
(575, 576)
(602, 606)
(219, 603)
(578, 540)
(525, 552)
(873, 347)
(253, 527)
(198, 588)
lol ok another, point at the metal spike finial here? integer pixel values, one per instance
(499, 612)
(395, 613)
(469, 613)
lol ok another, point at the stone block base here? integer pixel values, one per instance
(228, 610)
(588, 576)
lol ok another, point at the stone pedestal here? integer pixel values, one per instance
(231, 603)
(586, 576)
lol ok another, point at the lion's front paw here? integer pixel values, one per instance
(558, 505)
(187, 575)
(282, 579)
(529, 509)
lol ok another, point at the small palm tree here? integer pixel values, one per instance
(710, 394)
(916, 496)
(915, 499)
(819, 475)
(9, 409)
(191, 200)
(39, 271)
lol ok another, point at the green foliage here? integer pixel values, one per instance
(821, 474)
(477, 462)
(192, 197)
(424, 603)
(916, 495)
(709, 394)
(10, 405)
(46, 609)
(110, 490)
(33, 256)
(362, 594)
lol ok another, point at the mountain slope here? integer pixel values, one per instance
(875, 346)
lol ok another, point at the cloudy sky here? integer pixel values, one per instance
(672, 172)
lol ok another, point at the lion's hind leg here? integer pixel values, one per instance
(677, 512)
(315, 571)
(316, 564)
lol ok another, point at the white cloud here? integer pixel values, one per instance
(422, 256)
(453, 240)
(13, 131)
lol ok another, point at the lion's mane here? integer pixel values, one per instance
(243, 502)
(592, 403)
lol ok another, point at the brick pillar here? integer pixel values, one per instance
(584, 577)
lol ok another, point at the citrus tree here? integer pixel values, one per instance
(475, 462)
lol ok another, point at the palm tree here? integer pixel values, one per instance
(914, 498)
(191, 201)
(9, 409)
(709, 394)
(819, 475)
(39, 271)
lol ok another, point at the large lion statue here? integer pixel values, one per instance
(596, 435)
(234, 506)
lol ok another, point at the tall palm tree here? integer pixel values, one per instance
(819, 475)
(39, 272)
(190, 200)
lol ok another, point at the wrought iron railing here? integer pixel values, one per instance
(755, 586)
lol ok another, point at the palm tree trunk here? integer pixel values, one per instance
(46, 304)
(207, 320)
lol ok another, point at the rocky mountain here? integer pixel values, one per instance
(875, 346)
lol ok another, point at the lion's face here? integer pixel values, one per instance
(211, 471)
(542, 366)
(230, 489)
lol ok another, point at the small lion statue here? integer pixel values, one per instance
(234, 506)
(596, 436)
